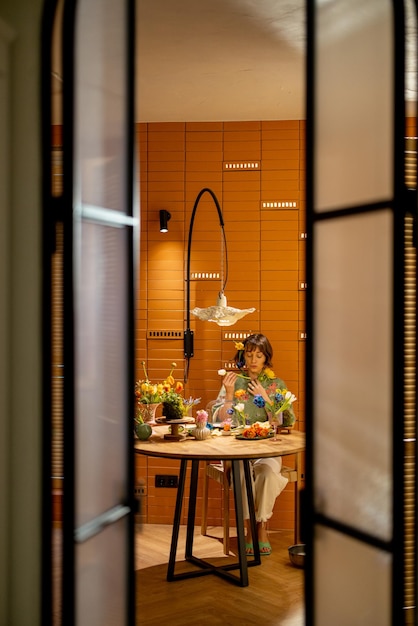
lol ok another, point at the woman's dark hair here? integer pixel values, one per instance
(257, 341)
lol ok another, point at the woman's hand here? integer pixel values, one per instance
(229, 384)
(257, 389)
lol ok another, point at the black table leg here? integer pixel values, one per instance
(192, 508)
(205, 566)
(176, 522)
(236, 483)
(253, 524)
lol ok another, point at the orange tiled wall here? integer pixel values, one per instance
(257, 171)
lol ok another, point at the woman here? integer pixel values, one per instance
(255, 356)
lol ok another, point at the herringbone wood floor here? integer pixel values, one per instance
(274, 596)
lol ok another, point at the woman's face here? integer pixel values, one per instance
(254, 362)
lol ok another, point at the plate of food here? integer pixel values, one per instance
(256, 432)
(255, 438)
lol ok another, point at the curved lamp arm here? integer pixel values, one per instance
(188, 334)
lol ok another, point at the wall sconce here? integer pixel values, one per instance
(164, 217)
(221, 313)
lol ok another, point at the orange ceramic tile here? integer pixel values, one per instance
(160, 137)
(241, 137)
(165, 177)
(242, 151)
(203, 179)
(161, 145)
(207, 146)
(281, 175)
(203, 167)
(166, 166)
(166, 159)
(279, 124)
(270, 147)
(166, 127)
(196, 136)
(279, 135)
(199, 156)
(241, 126)
(166, 186)
(204, 126)
(274, 159)
(238, 196)
(206, 201)
(242, 186)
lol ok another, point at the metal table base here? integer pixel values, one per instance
(205, 567)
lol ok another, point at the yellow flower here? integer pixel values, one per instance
(239, 345)
(239, 393)
(153, 393)
(269, 373)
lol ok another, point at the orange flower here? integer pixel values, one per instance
(239, 393)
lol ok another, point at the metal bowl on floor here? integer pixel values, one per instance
(297, 554)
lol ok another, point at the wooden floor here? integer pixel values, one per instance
(274, 596)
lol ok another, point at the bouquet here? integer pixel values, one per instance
(281, 403)
(168, 392)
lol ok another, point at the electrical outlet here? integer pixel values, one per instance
(164, 480)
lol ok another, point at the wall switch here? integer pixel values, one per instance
(164, 480)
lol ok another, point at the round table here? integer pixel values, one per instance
(218, 448)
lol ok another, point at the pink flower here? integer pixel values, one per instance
(201, 418)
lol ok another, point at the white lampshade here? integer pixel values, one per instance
(221, 314)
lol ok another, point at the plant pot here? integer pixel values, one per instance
(172, 411)
(147, 411)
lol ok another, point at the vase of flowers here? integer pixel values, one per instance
(147, 412)
(279, 414)
(238, 415)
(188, 404)
(148, 398)
(150, 395)
(201, 431)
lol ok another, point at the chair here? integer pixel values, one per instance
(221, 473)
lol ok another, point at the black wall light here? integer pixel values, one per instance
(164, 217)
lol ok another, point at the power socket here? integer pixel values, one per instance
(139, 490)
(166, 480)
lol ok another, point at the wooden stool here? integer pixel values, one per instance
(221, 473)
